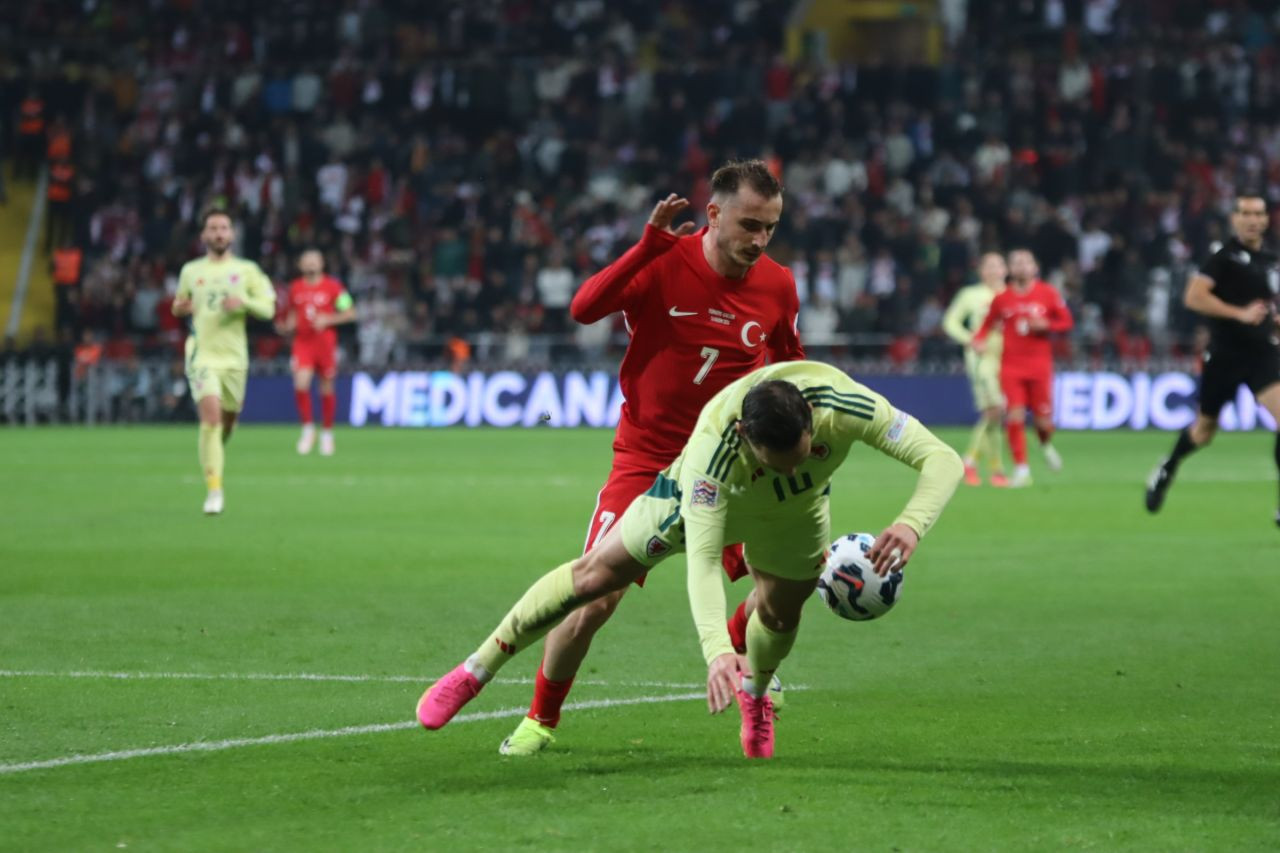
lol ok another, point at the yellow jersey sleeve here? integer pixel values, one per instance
(902, 437)
(185, 279)
(259, 294)
(959, 321)
(707, 466)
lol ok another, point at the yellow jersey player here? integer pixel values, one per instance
(964, 315)
(216, 292)
(757, 470)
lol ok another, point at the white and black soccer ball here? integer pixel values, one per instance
(850, 587)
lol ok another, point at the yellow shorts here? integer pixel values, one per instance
(984, 379)
(791, 543)
(225, 383)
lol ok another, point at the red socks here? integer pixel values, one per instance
(1017, 441)
(738, 628)
(328, 407)
(303, 399)
(548, 697)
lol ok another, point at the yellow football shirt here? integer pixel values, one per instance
(726, 495)
(964, 315)
(217, 338)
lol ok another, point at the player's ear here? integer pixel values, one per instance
(713, 214)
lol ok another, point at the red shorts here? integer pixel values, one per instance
(627, 481)
(318, 356)
(1033, 392)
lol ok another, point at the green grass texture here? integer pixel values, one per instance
(1063, 672)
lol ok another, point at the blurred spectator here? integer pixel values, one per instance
(465, 165)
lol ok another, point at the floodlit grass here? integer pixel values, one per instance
(1063, 671)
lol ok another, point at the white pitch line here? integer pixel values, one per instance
(307, 676)
(319, 734)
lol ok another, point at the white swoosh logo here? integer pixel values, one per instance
(675, 312)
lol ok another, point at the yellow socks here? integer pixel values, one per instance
(991, 445)
(539, 610)
(211, 455)
(976, 441)
(766, 649)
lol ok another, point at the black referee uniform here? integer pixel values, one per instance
(1239, 354)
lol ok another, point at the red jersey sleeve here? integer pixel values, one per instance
(784, 340)
(614, 287)
(993, 315)
(1060, 319)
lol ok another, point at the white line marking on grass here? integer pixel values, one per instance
(308, 676)
(320, 734)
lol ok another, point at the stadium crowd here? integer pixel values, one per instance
(464, 165)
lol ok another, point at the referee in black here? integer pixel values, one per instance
(1236, 289)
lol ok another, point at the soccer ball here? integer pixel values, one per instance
(850, 587)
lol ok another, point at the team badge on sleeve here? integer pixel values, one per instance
(898, 425)
(705, 493)
(656, 547)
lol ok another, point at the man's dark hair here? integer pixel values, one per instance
(215, 210)
(775, 414)
(754, 173)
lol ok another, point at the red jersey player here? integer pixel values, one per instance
(1029, 311)
(702, 309)
(316, 303)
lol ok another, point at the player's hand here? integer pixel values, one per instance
(893, 548)
(979, 345)
(665, 211)
(321, 322)
(231, 304)
(722, 682)
(1254, 313)
(181, 307)
(1037, 323)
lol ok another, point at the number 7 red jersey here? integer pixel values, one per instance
(693, 332)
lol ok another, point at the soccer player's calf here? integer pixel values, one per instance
(568, 644)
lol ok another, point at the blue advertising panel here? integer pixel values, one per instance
(1082, 400)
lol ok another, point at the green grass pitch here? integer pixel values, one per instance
(1063, 672)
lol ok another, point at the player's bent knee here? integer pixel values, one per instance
(593, 615)
(594, 577)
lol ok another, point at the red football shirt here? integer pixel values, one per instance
(308, 301)
(1026, 351)
(693, 331)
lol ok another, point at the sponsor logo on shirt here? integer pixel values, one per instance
(705, 493)
(820, 451)
(724, 318)
(1242, 257)
(676, 312)
(899, 424)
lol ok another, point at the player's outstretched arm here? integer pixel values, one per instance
(704, 509)
(612, 288)
(953, 321)
(901, 436)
